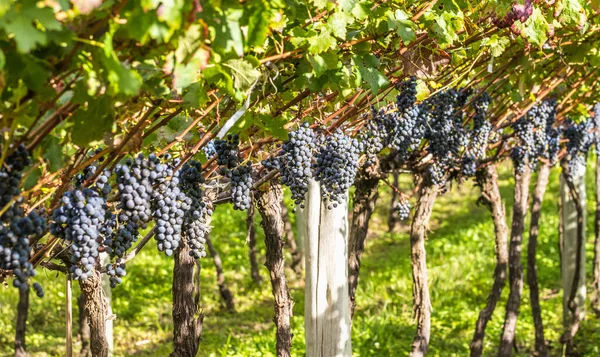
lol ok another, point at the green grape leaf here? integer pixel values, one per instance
(571, 12)
(122, 79)
(323, 62)
(92, 123)
(195, 95)
(536, 28)
(321, 43)
(258, 26)
(337, 24)
(347, 5)
(52, 151)
(400, 22)
(496, 44)
(371, 75)
(320, 4)
(243, 72)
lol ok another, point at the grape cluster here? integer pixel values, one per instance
(536, 136)
(196, 216)
(228, 155)
(400, 130)
(402, 209)
(241, 184)
(525, 150)
(14, 244)
(116, 272)
(210, 149)
(135, 179)
(16, 228)
(335, 166)
(169, 204)
(550, 144)
(294, 162)
(39, 290)
(580, 138)
(479, 136)
(374, 136)
(518, 11)
(78, 220)
(444, 131)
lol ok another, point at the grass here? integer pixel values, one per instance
(460, 254)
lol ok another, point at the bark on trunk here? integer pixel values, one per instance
(596, 267)
(532, 278)
(269, 204)
(487, 179)
(515, 268)
(421, 299)
(21, 330)
(251, 241)
(365, 198)
(393, 216)
(224, 291)
(187, 320)
(95, 310)
(84, 328)
(290, 240)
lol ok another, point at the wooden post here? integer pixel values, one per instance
(311, 217)
(573, 253)
(328, 331)
(69, 315)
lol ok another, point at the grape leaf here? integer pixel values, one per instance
(371, 75)
(536, 28)
(122, 79)
(52, 151)
(400, 22)
(323, 62)
(322, 42)
(244, 74)
(90, 124)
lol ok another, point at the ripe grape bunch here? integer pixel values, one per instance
(402, 208)
(444, 132)
(241, 184)
(78, 220)
(135, 179)
(580, 138)
(17, 228)
(168, 204)
(479, 136)
(227, 152)
(534, 133)
(198, 212)
(551, 142)
(518, 11)
(400, 130)
(335, 167)
(116, 272)
(228, 157)
(294, 162)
